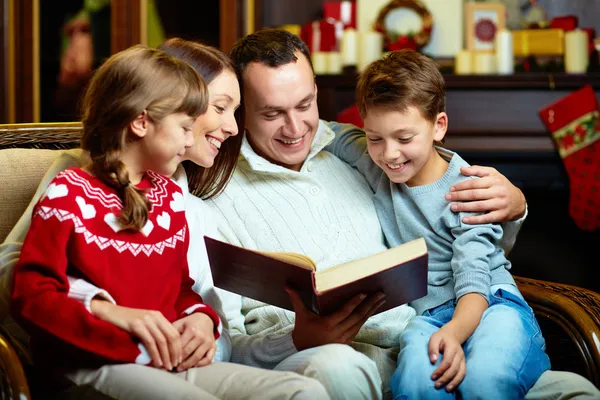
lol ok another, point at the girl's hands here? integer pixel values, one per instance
(197, 340)
(157, 334)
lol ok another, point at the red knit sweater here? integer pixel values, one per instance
(74, 232)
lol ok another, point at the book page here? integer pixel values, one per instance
(357, 269)
(292, 258)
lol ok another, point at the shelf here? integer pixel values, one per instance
(533, 80)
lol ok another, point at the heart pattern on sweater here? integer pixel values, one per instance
(87, 210)
(55, 191)
(164, 220)
(177, 204)
(111, 220)
(147, 228)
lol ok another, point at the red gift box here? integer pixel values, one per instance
(566, 23)
(344, 11)
(320, 35)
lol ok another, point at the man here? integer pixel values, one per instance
(288, 194)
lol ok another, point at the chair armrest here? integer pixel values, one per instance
(570, 320)
(13, 384)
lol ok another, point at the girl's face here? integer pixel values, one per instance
(218, 123)
(164, 143)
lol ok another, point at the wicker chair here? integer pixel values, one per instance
(569, 315)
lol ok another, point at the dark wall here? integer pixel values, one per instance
(191, 19)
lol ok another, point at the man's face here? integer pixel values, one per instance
(281, 111)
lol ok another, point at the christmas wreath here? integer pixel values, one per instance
(412, 40)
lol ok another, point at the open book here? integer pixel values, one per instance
(399, 272)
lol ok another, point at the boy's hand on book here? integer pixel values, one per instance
(156, 333)
(453, 367)
(197, 340)
(493, 194)
(312, 330)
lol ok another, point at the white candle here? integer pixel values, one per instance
(576, 52)
(505, 58)
(463, 63)
(319, 62)
(349, 47)
(485, 63)
(334, 63)
(370, 48)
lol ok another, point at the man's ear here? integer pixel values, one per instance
(139, 126)
(441, 127)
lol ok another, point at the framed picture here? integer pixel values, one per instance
(482, 21)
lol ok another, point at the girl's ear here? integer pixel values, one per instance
(139, 126)
(441, 127)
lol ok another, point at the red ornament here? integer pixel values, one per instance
(485, 30)
(403, 42)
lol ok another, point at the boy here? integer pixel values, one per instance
(473, 315)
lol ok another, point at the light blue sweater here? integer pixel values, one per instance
(463, 258)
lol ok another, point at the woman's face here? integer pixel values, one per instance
(215, 126)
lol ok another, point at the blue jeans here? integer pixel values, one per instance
(505, 355)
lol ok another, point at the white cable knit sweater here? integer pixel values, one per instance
(324, 211)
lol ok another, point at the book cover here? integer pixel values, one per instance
(399, 272)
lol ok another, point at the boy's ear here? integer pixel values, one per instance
(139, 126)
(441, 126)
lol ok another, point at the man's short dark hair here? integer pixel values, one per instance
(271, 47)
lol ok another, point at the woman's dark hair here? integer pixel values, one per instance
(209, 62)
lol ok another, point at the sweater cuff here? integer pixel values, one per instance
(519, 222)
(472, 282)
(84, 292)
(208, 310)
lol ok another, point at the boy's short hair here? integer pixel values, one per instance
(402, 79)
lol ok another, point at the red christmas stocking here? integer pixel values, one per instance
(574, 122)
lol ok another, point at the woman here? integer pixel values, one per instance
(211, 161)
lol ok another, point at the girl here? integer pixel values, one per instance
(208, 166)
(111, 220)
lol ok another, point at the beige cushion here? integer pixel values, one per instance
(21, 170)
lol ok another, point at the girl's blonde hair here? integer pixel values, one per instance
(130, 82)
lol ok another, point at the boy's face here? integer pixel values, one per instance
(401, 143)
